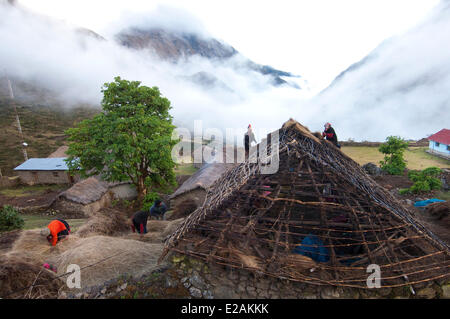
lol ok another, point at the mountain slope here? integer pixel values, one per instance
(173, 46)
(43, 120)
(401, 86)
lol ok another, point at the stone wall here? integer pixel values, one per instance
(6, 181)
(76, 210)
(210, 281)
(44, 177)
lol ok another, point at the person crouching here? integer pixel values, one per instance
(56, 231)
(158, 209)
(139, 221)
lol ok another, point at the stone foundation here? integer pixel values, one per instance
(210, 281)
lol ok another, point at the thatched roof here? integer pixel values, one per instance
(203, 178)
(263, 222)
(60, 152)
(85, 191)
(88, 190)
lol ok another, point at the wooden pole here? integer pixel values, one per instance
(19, 127)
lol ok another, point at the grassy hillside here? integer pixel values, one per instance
(43, 129)
(416, 157)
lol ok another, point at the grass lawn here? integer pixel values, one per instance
(22, 191)
(37, 221)
(416, 157)
(443, 195)
(185, 169)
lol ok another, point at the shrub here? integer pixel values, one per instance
(424, 181)
(10, 219)
(393, 149)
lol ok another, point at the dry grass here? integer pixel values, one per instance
(17, 273)
(109, 257)
(115, 256)
(105, 222)
(416, 157)
(100, 257)
(171, 227)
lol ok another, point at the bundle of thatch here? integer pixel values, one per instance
(157, 225)
(157, 231)
(23, 278)
(102, 258)
(105, 222)
(439, 210)
(147, 238)
(171, 227)
(36, 247)
(184, 209)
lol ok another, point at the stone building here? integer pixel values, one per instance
(45, 171)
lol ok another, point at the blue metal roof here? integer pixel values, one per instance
(43, 164)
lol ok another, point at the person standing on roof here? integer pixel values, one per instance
(249, 137)
(330, 135)
(56, 231)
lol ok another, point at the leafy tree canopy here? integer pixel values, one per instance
(130, 140)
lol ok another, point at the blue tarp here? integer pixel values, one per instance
(312, 247)
(427, 202)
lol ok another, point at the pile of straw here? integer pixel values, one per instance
(185, 208)
(102, 258)
(157, 231)
(105, 222)
(18, 273)
(438, 211)
(36, 247)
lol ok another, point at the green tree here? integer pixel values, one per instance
(131, 140)
(393, 149)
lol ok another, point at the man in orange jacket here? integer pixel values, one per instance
(56, 231)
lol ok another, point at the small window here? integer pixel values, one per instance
(437, 144)
(448, 147)
(55, 174)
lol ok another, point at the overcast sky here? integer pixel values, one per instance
(316, 39)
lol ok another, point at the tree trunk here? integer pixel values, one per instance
(141, 189)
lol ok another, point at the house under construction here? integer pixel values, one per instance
(319, 219)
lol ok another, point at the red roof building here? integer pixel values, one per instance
(443, 137)
(440, 143)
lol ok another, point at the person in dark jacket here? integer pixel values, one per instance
(139, 221)
(330, 135)
(158, 209)
(249, 137)
(57, 230)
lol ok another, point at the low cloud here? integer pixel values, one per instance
(368, 104)
(401, 89)
(74, 66)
